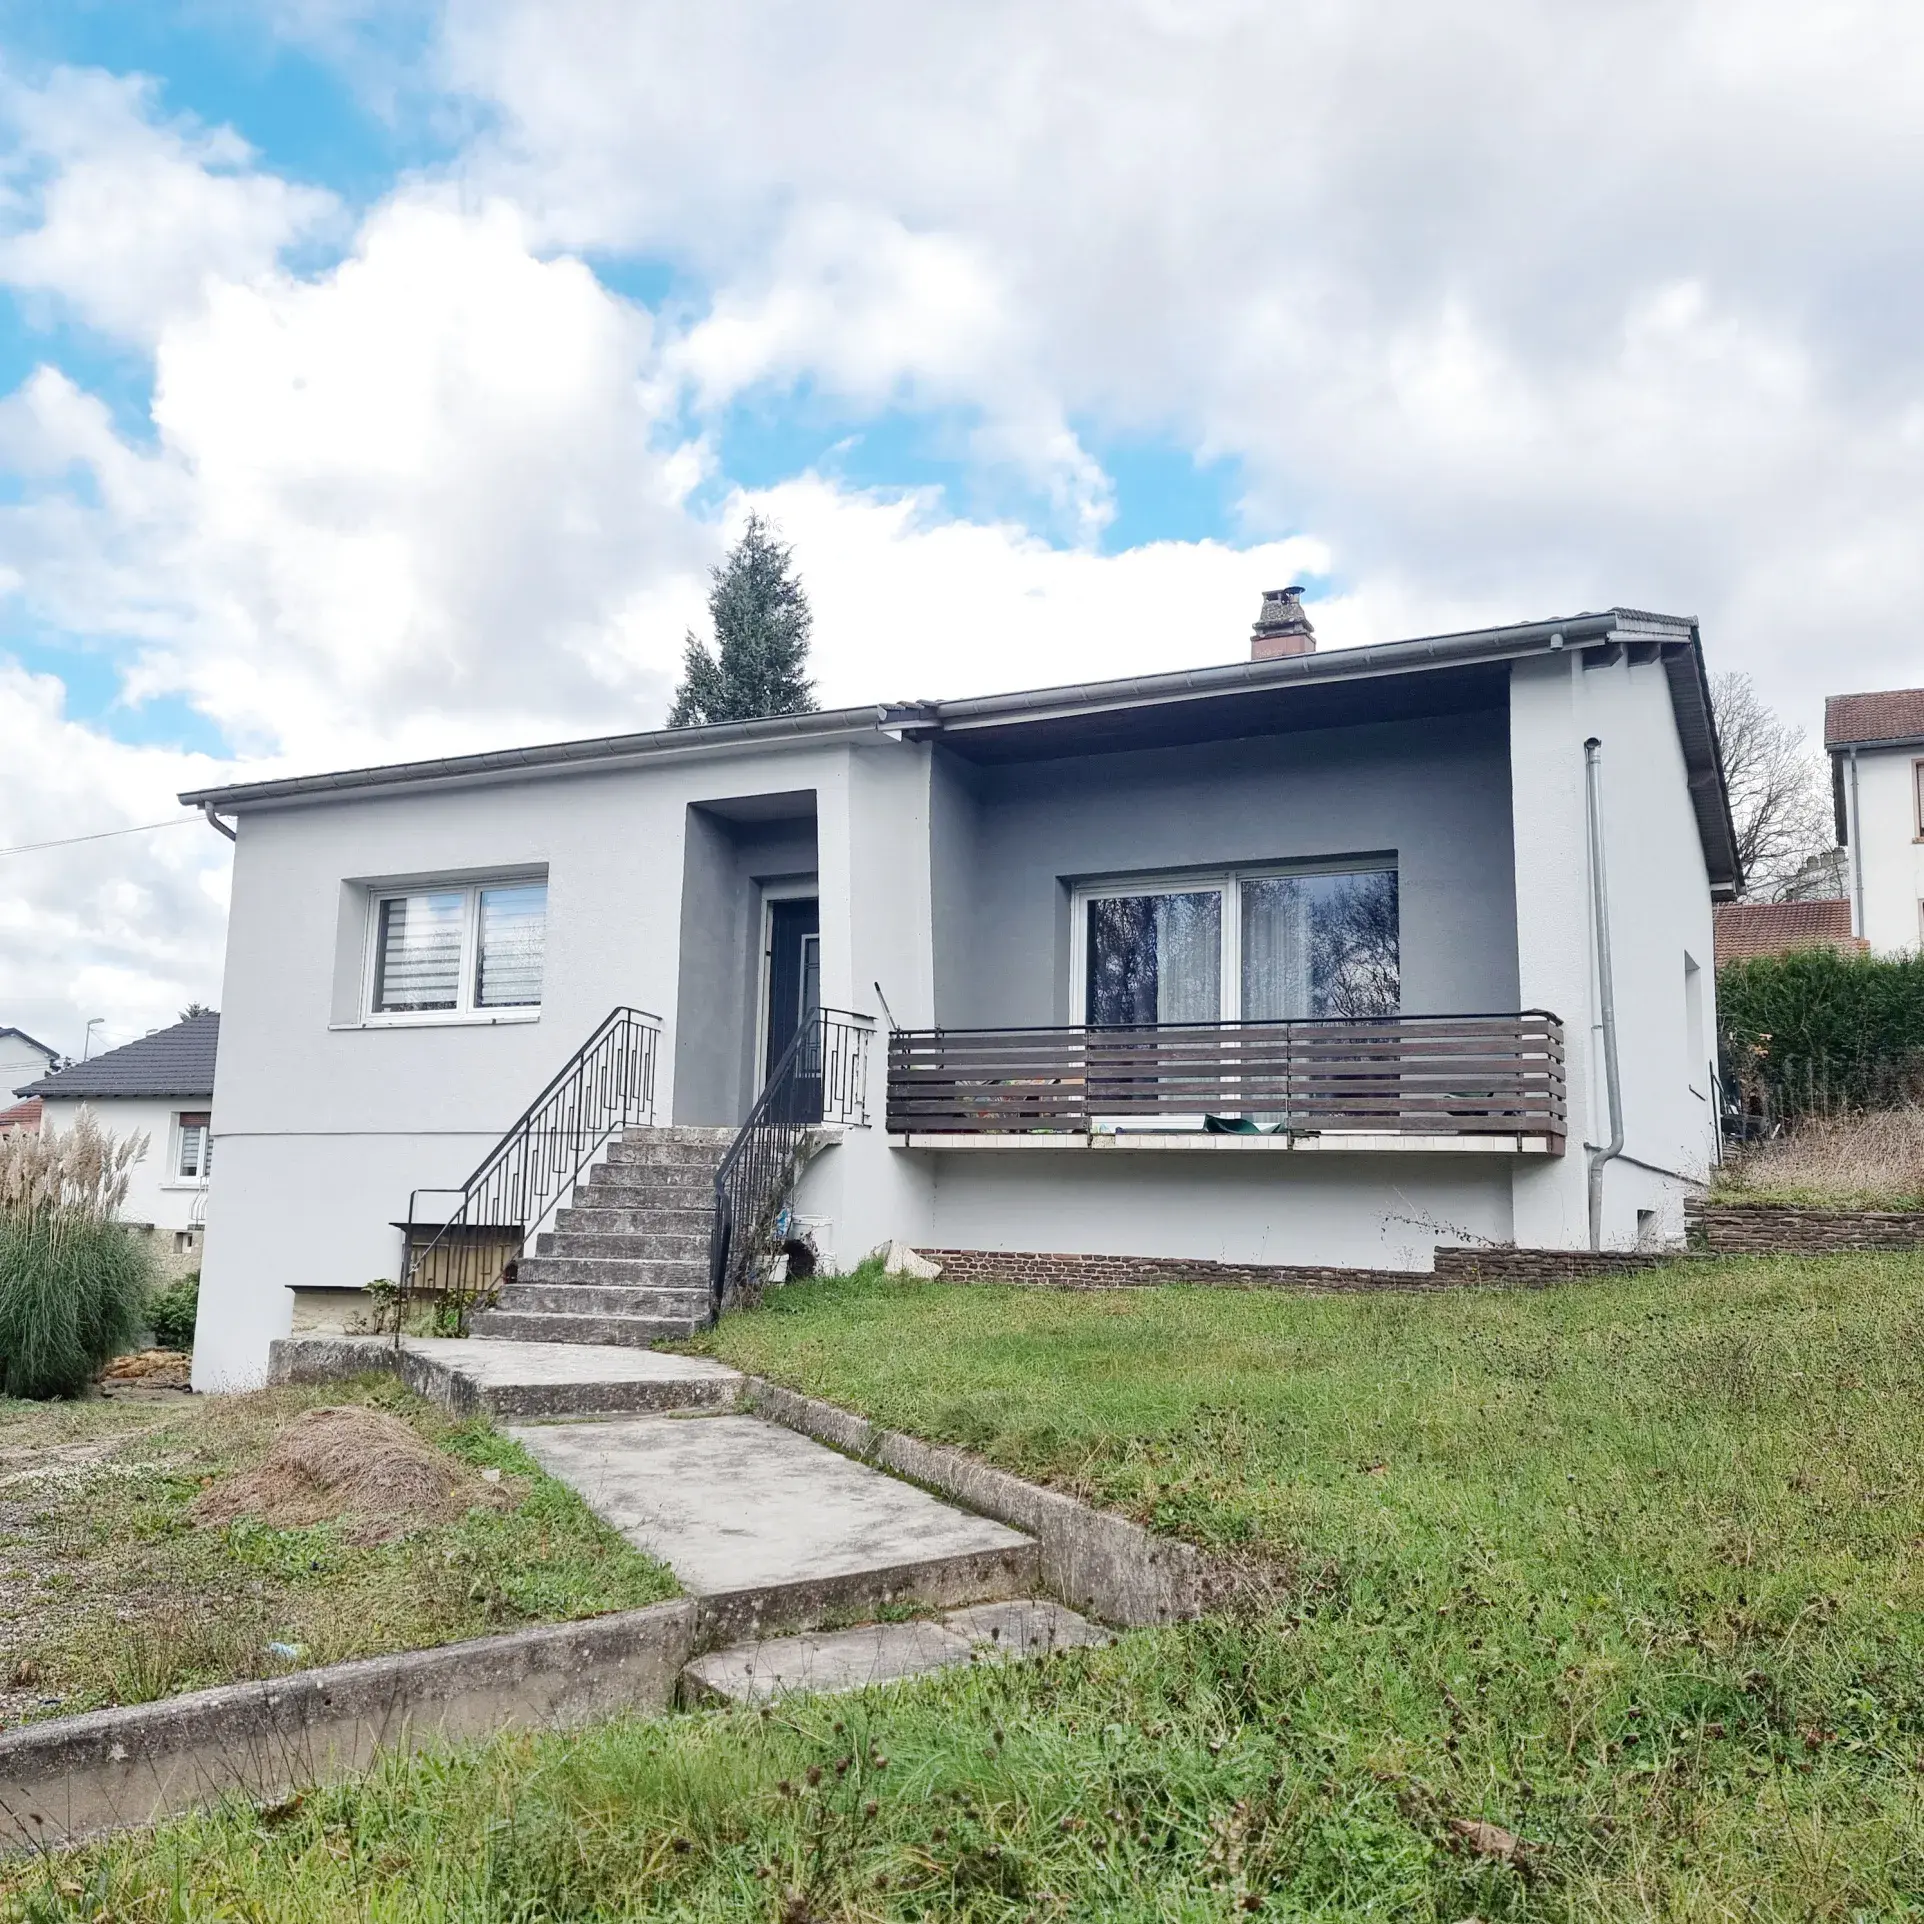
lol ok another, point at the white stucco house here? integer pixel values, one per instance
(161, 1087)
(1876, 746)
(23, 1059)
(1311, 958)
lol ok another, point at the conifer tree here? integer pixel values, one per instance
(759, 663)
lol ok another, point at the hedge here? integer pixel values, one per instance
(1816, 1031)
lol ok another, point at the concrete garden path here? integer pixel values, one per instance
(777, 1536)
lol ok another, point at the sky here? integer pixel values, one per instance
(381, 380)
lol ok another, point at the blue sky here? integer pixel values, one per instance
(384, 379)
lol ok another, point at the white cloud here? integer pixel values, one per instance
(131, 928)
(127, 221)
(1515, 303)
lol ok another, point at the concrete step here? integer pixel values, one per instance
(617, 1272)
(698, 1197)
(589, 1215)
(584, 1299)
(625, 1332)
(826, 1662)
(664, 1155)
(684, 1245)
(680, 1133)
(773, 1532)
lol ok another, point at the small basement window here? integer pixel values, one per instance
(470, 951)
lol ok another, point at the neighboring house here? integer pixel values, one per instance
(161, 1087)
(1348, 893)
(23, 1060)
(1876, 745)
(1747, 929)
(21, 1119)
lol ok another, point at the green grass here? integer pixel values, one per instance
(109, 1593)
(1633, 1569)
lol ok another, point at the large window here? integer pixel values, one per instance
(1252, 946)
(459, 951)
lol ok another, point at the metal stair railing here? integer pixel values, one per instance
(821, 1077)
(607, 1085)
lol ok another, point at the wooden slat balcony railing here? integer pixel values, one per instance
(1422, 1075)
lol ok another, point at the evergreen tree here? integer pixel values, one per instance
(759, 664)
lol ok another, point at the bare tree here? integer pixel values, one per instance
(1779, 795)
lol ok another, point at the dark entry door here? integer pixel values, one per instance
(794, 999)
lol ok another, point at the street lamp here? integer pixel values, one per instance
(87, 1041)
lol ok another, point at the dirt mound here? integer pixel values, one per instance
(356, 1466)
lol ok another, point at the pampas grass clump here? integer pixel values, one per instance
(73, 1282)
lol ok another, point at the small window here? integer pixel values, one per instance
(196, 1151)
(459, 951)
(1917, 797)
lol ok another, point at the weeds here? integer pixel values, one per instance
(1872, 1159)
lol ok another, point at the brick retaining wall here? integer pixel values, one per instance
(1764, 1229)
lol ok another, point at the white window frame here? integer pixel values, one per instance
(1227, 883)
(175, 1180)
(464, 1013)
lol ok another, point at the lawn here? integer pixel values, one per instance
(1600, 1602)
(110, 1592)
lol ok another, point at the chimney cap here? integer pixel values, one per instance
(1282, 628)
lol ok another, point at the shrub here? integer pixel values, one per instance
(171, 1312)
(1816, 1032)
(74, 1283)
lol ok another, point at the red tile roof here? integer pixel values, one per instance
(23, 1115)
(1745, 929)
(1895, 715)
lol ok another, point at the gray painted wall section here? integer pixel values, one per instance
(1008, 842)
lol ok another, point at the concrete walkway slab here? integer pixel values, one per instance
(732, 1504)
(1025, 1627)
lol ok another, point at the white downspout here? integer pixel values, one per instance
(1606, 989)
(1857, 857)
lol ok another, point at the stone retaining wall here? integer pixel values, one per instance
(1765, 1229)
(1455, 1268)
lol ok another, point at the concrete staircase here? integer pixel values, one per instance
(627, 1259)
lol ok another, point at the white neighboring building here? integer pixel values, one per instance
(161, 1087)
(1876, 745)
(1214, 861)
(23, 1060)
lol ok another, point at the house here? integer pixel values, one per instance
(23, 1060)
(1876, 745)
(1749, 929)
(21, 1118)
(1313, 958)
(161, 1087)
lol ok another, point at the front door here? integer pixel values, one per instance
(793, 966)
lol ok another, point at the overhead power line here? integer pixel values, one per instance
(101, 835)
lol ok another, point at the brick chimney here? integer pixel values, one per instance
(1282, 628)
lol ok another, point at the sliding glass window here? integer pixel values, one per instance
(1254, 946)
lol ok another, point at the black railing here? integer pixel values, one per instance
(607, 1085)
(821, 1077)
(1454, 1075)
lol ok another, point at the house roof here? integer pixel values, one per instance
(1747, 929)
(1436, 674)
(23, 1115)
(170, 1062)
(52, 1054)
(1893, 715)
